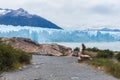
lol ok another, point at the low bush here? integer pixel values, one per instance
(105, 60)
(10, 58)
(94, 49)
(117, 56)
(77, 49)
(100, 62)
(114, 69)
(107, 65)
(105, 54)
(76, 52)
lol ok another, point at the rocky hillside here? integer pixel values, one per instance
(34, 48)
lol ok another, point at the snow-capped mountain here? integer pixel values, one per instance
(59, 35)
(23, 18)
(4, 11)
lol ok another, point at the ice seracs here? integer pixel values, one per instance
(57, 35)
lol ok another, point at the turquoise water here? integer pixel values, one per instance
(115, 46)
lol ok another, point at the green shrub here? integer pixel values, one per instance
(77, 49)
(109, 66)
(94, 49)
(105, 54)
(24, 57)
(10, 57)
(117, 56)
(100, 62)
(104, 60)
(114, 69)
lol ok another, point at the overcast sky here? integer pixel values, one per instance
(72, 14)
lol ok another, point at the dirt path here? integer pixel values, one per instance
(56, 68)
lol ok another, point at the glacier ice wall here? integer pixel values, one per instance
(55, 35)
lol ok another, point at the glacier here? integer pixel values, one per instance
(41, 35)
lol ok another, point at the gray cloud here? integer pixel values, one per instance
(101, 9)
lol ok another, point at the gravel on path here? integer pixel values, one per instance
(56, 68)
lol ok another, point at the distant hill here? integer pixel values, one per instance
(23, 18)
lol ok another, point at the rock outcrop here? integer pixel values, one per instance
(82, 56)
(34, 48)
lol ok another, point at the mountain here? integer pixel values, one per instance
(107, 29)
(103, 29)
(52, 35)
(20, 17)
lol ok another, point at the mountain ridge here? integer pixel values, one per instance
(20, 17)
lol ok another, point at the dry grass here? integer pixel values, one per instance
(108, 64)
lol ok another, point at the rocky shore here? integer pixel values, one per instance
(34, 48)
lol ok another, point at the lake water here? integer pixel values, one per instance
(115, 46)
